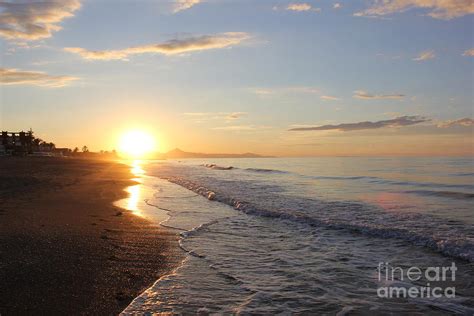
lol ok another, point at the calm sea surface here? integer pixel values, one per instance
(307, 235)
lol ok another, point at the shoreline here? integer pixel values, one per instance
(66, 247)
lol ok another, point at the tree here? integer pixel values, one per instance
(76, 150)
(85, 149)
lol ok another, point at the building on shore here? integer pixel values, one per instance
(16, 143)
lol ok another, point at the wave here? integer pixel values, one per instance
(394, 182)
(346, 178)
(448, 194)
(217, 167)
(463, 174)
(371, 179)
(356, 217)
(261, 170)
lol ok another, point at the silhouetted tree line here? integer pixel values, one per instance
(25, 143)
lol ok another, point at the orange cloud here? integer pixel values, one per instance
(329, 98)
(469, 52)
(181, 5)
(346, 127)
(460, 122)
(172, 47)
(301, 7)
(360, 94)
(33, 20)
(426, 55)
(439, 9)
(11, 76)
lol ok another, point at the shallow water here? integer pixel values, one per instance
(307, 235)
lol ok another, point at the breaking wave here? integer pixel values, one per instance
(353, 216)
(216, 167)
(261, 170)
(447, 194)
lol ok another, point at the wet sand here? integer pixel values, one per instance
(65, 248)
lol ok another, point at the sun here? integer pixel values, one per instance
(136, 144)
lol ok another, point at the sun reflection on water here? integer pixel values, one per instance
(137, 169)
(134, 199)
(132, 202)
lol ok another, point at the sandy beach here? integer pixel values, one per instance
(65, 248)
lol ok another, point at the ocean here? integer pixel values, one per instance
(311, 235)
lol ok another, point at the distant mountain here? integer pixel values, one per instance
(178, 154)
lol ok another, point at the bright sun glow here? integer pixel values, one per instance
(136, 144)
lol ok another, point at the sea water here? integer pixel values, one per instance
(308, 235)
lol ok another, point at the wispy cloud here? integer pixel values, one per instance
(235, 115)
(300, 7)
(235, 128)
(264, 92)
(171, 47)
(216, 115)
(360, 94)
(11, 76)
(180, 5)
(346, 127)
(438, 9)
(469, 52)
(460, 122)
(241, 128)
(33, 20)
(329, 98)
(337, 6)
(426, 55)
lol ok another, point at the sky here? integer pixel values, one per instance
(284, 78)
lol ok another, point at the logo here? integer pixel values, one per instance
(415, 282)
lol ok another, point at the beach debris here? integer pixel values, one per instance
(211, 196)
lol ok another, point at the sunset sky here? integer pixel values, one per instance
(292, 78)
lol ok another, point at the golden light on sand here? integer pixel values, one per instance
(136, 144)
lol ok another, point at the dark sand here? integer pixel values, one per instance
(64, 247)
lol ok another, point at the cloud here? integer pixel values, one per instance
(337, 6)
(469, 52)
(426, 55)
(300, 7)
(180, 5)
(264, 92)
(460, 122)
(236, 128)
(201, 116)
(235, 115)
(438, 9)
(33, 20)
(171, 47)
(360, 94)
(11, 76)
(329, 98)
(346, 127)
